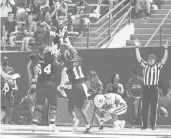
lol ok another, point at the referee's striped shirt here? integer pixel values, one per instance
(151, 73)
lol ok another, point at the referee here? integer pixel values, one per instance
(150, 94)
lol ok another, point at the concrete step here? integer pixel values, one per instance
(91, 39)
(84, 44)
(160, 11)
(147, 37)
(159, 20)
(151, 31)
(160, 16)
(166, 2)
(101, 32)
(88, 1)
(151, 25)
(166, 6)
(143, 42)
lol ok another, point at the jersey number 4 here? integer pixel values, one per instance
(46, 70)
(78, 72)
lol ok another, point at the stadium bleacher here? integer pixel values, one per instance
(143, 28)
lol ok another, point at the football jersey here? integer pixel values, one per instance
(136, 86)
(28, 102)
(46, 69)
(114, 99)
(74, 71)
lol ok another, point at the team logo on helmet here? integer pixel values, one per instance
(71, 54)
(99, 101)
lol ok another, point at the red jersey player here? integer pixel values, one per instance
(42, 68)
(76, 96)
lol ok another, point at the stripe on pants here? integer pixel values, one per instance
(120, 110)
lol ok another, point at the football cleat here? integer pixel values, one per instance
(33, 127)
(122, 124)
(88, 129)
(101, 127)
(53, 128)
(76, 123)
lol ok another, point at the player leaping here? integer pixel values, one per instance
(76, 96)
(42, 67)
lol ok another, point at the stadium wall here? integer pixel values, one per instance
(105, 62)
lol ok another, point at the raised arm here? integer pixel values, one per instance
(29, 70)
(165, 54)
(140, 60)
(8, 77)
(57, 58)
(137, 44)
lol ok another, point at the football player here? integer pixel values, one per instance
(27, 105)
(9, 88)
(112, 104)
(5, 104)
(42, 67)
(76, 96)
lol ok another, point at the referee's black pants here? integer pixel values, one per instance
(150, 96)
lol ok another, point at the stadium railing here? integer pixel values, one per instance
(160, 27)
(114, 21)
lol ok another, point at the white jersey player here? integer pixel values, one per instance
(112, 104)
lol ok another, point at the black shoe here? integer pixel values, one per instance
(153, 128)
(87, 129)
(101, 127)
(12, 123)
(143, 128)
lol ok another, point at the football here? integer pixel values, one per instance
(163, 112)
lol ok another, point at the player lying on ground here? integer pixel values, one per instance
(112, 104)
(27, 105)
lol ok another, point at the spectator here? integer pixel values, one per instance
(29, 33)
(114, 86)
(81, 8)
(5, 8)
(134, 88)
(9, 30)
(143, 2)
(42, 33)
(99, 2)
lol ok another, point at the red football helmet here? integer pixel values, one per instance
(43, 49)
(71, 54)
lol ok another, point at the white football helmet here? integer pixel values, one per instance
(99, 101)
